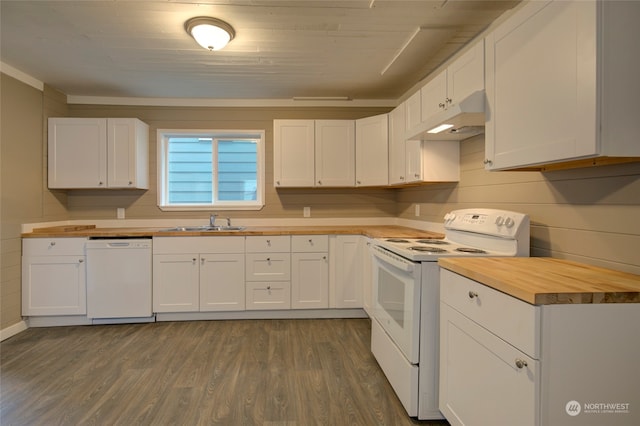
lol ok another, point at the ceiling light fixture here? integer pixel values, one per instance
(210, 33)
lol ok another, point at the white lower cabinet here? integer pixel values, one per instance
(309, 271)
(345, 282)
(53, 277)
(267, 295)
(209, 278)
(506, 362)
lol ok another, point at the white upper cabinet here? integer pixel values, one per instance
(335, 148)
(294, 153)
(397, 145)
(310, 153)
(454, 96)
(372, 151)
(98, 153)
(562, 85)
(461, 79)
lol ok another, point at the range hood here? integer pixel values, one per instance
(466, 119)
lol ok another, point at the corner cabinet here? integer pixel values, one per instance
(98, 153)
(53, 277)
(562, 86)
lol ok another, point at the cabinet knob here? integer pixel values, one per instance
(319, 182)
(202, 261)
(100, 184)
(268, 287)
(416, 175)
(449, 100)
(269, 242)
(194, 260)
(324, 257)
(401, 177)
(358, 182)
(472, 294)
(277, 182)
(130, 183)
(441, 105)
(80, 260)
(52, 243)
(268, 259)
(487, 161)
(521, 363)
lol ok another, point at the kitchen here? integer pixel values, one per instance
(587, 214)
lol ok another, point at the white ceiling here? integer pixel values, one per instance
(361, 49)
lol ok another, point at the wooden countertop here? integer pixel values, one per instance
(379, 231)
(547, 281)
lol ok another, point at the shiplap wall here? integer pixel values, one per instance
(589, 215)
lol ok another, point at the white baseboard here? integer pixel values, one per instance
(12, 330)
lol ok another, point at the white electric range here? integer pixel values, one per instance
(405, 323)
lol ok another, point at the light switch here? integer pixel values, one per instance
(306, 211)
(120, 213)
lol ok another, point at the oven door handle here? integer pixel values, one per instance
(392, 259)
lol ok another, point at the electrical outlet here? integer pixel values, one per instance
(120, 212)
(306, 211)
(417, 209)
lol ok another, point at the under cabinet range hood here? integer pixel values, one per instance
(459, 121)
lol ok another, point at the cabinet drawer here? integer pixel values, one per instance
(268, 295)
(268, 266)
(310, 243)
(268, 244)
(179, 245)
(53, 246)
(509, 318)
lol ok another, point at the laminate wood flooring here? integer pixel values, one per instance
(245, 372)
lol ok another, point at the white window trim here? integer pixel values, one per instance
(162, 166)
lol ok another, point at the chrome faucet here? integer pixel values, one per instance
(212, 219)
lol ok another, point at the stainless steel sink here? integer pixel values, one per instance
(205, 228)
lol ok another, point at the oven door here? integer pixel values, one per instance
(396, 289)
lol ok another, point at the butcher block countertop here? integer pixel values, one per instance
(375, 231)
(548, 281)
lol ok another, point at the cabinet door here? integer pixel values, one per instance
(346, 279)
(127, 153)
(414, 160)
(413, 112)
(53, 285)
(434, 96)
(176, 283)
(477, 369)
(465, 75)
(77, 153)
(309, 280)
(335, 150)
(222, 282)
(294, 153)
(397, 143)
(541, 85)
(372, 151)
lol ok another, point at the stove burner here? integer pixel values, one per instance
(428, 249)
(397, 240)
(470, 250)
(435, 242)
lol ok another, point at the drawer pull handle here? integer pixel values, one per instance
(472, 294)
(520, 363)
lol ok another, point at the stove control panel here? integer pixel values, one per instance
(500, 223)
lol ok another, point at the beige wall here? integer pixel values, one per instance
(589, 215)
(22, 182)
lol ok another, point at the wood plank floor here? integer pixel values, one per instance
(253, 372)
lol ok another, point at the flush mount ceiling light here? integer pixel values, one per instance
(210, 33)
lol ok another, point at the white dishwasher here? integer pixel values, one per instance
(119, 279)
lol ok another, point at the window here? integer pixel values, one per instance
(210, 169)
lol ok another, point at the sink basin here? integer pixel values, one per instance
(205, 228)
